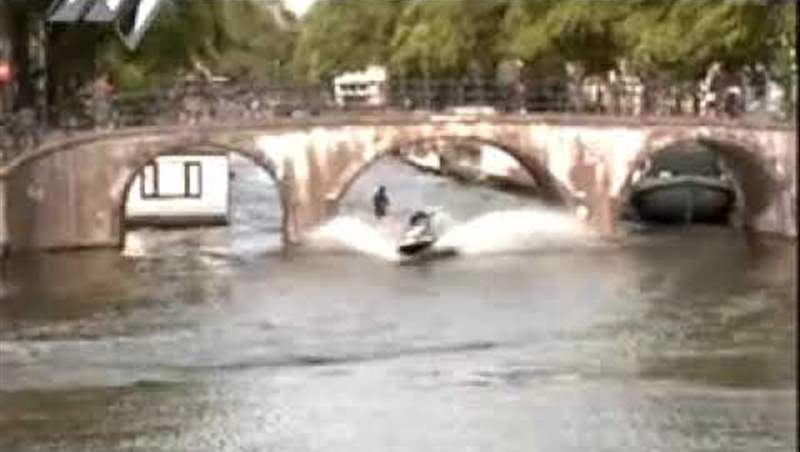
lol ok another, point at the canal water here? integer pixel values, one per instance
(541, 337)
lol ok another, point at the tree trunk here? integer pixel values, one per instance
(647, 96)
(20, 55)
(678, 102)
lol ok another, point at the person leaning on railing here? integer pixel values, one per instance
(102, 97)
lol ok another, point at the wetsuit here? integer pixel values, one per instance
(380, 202)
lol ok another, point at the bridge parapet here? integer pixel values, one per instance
(207, 104)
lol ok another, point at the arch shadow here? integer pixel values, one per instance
(553, 192)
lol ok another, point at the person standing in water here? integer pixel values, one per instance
(380, 202)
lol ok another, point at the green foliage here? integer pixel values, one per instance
(684, 37)
(524, 34)
(260, 41)
(545, 34)
(582, 31)
(783, 43)
(257, 39)
(783, 48)
(448, 37)
(242, 38)
(343, 35)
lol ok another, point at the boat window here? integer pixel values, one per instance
(193, 179)
(171, 182)
(148, 181)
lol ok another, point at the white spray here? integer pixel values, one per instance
(517, 231)
(352, 233)
(496, 232)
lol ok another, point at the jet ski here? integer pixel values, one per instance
(420, 239)
(416, 240)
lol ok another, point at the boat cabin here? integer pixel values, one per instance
(186, 190)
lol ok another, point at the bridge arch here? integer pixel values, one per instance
(755, 173)
(81, 184)
(553, 191)
(122, 184)
(69, 193)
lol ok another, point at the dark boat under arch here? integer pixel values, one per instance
(684, 199)
(688, 183)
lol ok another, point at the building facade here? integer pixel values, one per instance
(364, 88)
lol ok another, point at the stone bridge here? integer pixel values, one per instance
(71, 193)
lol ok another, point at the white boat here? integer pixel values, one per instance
(181, 191)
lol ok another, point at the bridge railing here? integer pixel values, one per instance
(230, 102)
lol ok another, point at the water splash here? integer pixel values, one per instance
(353, 233)
(134, 246)
(505, 231)
(517, 231)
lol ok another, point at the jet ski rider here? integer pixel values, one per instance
(422, 220)
(380, 202)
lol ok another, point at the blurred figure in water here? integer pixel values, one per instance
(380, 202)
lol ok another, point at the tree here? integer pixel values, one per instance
(523, 35)
(260, 39)
(684, 37)
(241, 38)
(344, 35)
(448, 38)
(548, 33)
(783, 46)
(583, 32)
(678, 41)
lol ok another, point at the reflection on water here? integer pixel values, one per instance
(677, 340)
